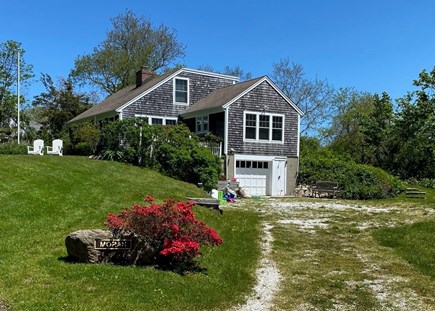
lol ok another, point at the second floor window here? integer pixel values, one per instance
(263, 127)
(181, 91)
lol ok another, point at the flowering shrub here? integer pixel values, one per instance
(170, 230)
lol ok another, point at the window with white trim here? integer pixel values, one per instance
(202, 124)
(181, 91)
(263, 127)
(156, 120)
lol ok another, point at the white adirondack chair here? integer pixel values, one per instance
(38, 147)
(57, 147)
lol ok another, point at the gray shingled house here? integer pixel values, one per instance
(259, 125)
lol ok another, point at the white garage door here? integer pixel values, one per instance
(252, 176)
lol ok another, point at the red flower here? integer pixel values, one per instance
(149, 198)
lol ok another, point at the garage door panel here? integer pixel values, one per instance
(252, 180)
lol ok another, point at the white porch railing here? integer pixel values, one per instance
(215, 148)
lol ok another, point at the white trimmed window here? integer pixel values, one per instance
(181, 91)
(263, 127)
(156, 120)
(202, 124)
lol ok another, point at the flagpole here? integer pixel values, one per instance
(18, 100)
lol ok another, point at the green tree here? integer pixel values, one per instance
(58, 105)
(132, 42)
(8, 84)
(345, 136)
(414, 130)
(376, 131)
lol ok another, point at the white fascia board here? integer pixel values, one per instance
(288, 100)
(226, 132)
(299, 136)
(291, 103)
(251, 157)
(244, 93)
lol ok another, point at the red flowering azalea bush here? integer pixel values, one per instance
(169, 231)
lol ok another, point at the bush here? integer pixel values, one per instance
(169, 231)
(84, 149)
(13, 148)
(427, 183)
(172, 150)
(355, 181)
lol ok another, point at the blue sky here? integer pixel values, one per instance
(370, 45)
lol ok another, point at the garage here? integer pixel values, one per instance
(261, 177)
(253, 176)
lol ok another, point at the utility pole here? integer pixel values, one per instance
(18, 100)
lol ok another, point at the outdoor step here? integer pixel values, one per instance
(415, 192)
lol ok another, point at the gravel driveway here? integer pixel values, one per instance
(320, 255)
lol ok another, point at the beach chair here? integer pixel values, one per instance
(38, 147)
(56, 148)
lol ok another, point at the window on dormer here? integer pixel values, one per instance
(181, 91)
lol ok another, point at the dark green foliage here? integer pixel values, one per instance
(427, 183)
(415, 243)
(414, 133)
(356, 181)
(84, 138)
(173, 150)
(12, 148)
(402, 142)
(57, 106)
(361, 128)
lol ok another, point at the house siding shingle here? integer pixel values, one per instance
(263, 98)
(159, 102)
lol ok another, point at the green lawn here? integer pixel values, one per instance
(42, 199)
(415, 243)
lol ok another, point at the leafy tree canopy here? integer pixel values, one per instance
(8, 81)
(58, 105)
(132, 43)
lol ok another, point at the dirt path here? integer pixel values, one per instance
(268, 277)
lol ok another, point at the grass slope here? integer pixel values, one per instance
(42, 199)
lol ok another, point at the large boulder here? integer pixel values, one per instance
(80, 246)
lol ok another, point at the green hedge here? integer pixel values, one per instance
(355, 181)
(13, 148)
(172, 150)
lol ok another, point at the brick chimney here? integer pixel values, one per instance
(143, 75)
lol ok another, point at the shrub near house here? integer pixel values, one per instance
(172, 150)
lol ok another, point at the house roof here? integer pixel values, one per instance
(124, 97)
(118, 99)
(222, 98)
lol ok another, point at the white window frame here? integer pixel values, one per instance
(149, 117)
(174, 91)
(257, 127)
(202, 120)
